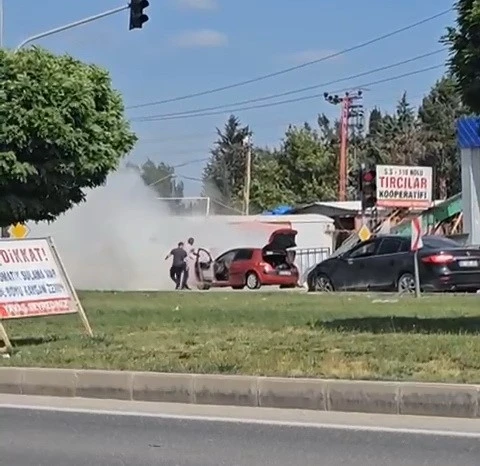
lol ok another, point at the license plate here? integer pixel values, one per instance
(285, 272)
(468, 263)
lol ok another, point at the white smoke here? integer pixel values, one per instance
(118, 238)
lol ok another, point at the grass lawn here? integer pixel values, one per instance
(435, 338)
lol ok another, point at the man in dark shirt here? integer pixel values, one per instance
(178, 264)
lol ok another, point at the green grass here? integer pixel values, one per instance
(435, 338)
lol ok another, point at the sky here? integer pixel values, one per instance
(190, 46)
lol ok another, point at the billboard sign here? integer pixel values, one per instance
(34, 283)
(404, 186)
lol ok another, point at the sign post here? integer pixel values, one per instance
(34, 283)
(468, 137)
(416, 244)
(404, 187)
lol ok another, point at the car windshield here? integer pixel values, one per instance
(439, 242)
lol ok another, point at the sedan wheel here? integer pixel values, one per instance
(406, 283)
(252, 281)
(323, 284)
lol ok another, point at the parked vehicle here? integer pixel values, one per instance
(386, 263)
(251, 267)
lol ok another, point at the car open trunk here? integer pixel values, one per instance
(277, 251)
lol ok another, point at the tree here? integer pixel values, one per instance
(224, 174)
(269, 187)
(161, 178)
(464, 43)
(62, 130)
(309, 165)
(372, 146)
(397, 139)
(374, 121)
(438, 113)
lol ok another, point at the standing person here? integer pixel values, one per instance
(190, 262)
(179, 265)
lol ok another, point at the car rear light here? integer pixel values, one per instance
(266, 267)
(438, 259)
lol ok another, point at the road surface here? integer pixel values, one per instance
(54, 432)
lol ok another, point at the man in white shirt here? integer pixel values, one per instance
(190, 261)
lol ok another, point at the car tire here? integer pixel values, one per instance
(203, 287)
(406, 283)
(322, 283)
(252, 281)
(238, 287)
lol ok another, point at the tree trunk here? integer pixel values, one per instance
(442, 190)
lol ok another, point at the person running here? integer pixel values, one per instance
(179, 266)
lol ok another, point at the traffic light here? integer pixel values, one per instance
(368, 187)
(137, 15)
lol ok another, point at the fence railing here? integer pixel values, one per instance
(306, 258)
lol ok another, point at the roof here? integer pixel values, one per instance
(442, 210)
(340, 208)
(329, 209)
(305, 218)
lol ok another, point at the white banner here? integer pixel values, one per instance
(32, 281)
(403, 186)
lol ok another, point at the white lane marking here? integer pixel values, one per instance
(236, 420)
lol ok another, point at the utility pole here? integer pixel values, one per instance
(248, 174)
(356, 125)
(347, 102)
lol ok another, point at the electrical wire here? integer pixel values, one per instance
(294, 68)
(294, 91)
(191, 162)
(289, 101)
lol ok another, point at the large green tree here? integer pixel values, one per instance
(62, 130)
(464, 43)
(438, 113)
(302, 170)
(310, 164)
(161, 178)
(224, 174)
(269, 186)
(396, 138)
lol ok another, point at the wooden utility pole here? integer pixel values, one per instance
(347, 103)
(248, 175)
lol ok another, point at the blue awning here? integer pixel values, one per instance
(279, 210)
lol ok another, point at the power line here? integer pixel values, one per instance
(294, 91)
(188, 162)
(181, 137)
(289, 101)
(191, 162)
(294, 68)
(174, 153)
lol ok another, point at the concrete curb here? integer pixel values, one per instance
(324, 395)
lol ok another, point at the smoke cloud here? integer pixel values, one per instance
(119, 237)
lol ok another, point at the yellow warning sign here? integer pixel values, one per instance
(364, 233)
(18, 231)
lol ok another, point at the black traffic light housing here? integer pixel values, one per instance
(368, 187)
(137, 15)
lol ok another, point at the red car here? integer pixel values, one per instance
(251, 267)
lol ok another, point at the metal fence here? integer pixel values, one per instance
(306, 258)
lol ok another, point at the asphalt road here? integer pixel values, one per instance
(35, 437)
